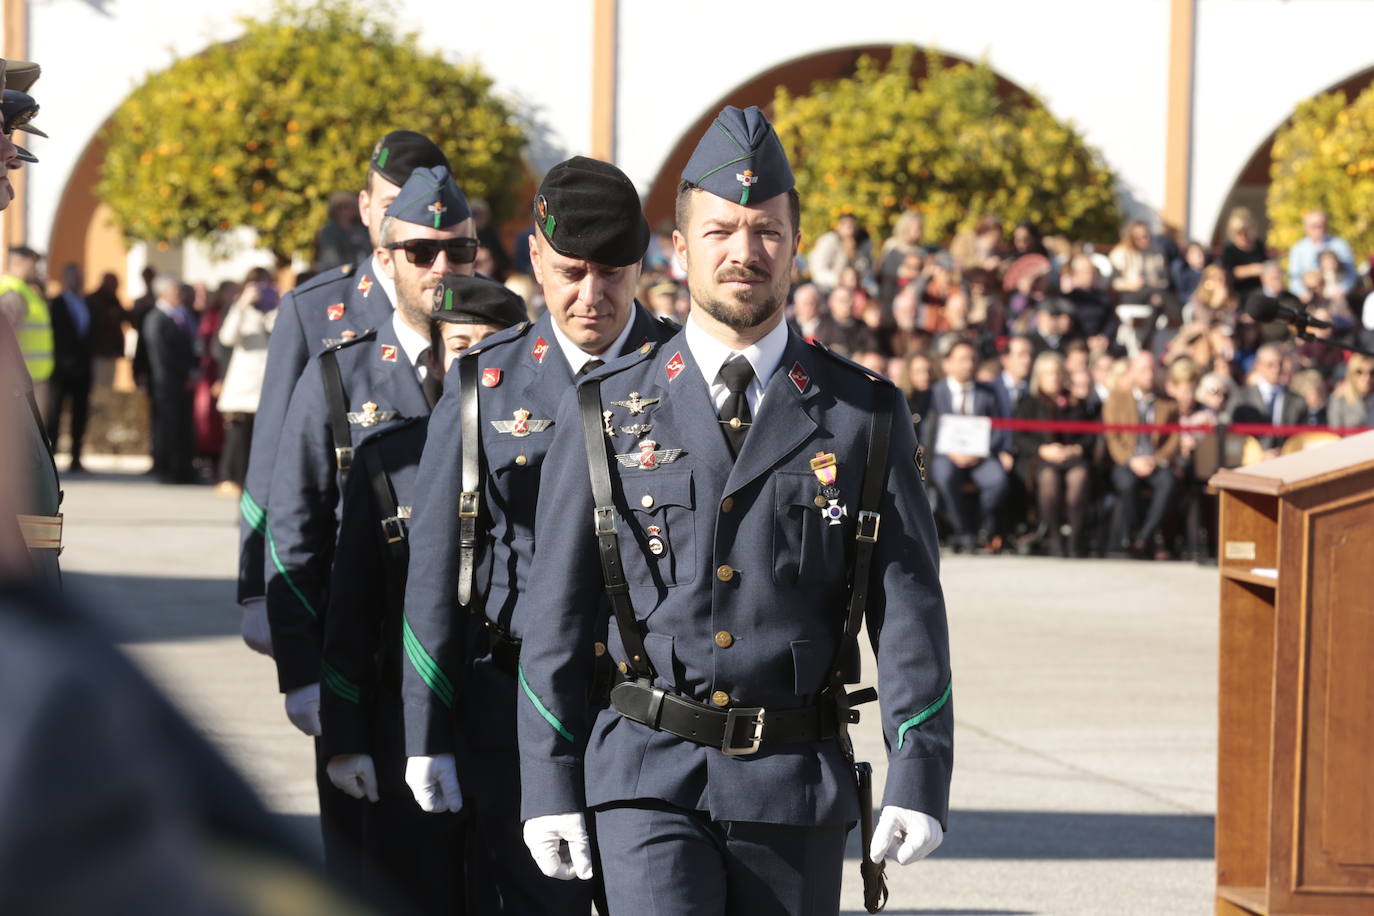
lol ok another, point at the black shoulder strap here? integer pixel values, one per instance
(337, 411)
(469, 501)
(384, 495)
(608, 541)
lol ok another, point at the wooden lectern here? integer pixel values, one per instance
(1295, 752)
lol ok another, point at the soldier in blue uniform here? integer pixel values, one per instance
(383, 375)
(326, 310)
(471, 544)
(363, 737)
(738, 476)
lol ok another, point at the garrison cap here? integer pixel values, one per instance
(430, 197)
(403, 151)
(740, 158)
(460, 299)
(20, 109)
(589, 210)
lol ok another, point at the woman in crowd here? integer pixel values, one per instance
(1350, 405)
(1243, 257)
(1054, 463)
(901, 258)
(920, 379)
(1187, 270)
(1140, 268)
(244, 331)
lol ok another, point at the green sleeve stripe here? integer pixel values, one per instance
(281, 568)
(425, 666)
(342, 686)
(543, 710)
(924, 714)
(253, 514)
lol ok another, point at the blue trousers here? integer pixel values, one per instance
(658, 860)
(990, 479)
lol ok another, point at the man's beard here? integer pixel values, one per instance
(749, 308)
(415, 302)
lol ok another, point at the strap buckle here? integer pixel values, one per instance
(605, 519)
(868, 526)
(343, 457)
(393, 529)
(752, 718)
(468, 502)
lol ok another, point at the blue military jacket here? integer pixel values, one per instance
(520, 369)
(380, 387)
(320, 313)
(361, 670)
(743, 597)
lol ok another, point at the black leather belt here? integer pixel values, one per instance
(737, 731)
(504, 648)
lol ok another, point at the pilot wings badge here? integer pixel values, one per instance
(521, 426)
(650, 456)
(369, 415)
(636, 404)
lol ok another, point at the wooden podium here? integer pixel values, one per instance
(1295, 752)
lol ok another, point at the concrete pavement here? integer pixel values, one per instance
(1085, 697)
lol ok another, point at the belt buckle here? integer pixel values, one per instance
(753, 717)
(868, 526)
(393, 530)
(467, 504)
(343, 458)
(604, 516)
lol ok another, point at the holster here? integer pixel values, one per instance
(875, 881)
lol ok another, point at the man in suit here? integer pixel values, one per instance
(1267, 399)
(1011, 386)
(72, 327)
(1142, 458)
(347, 392)
(332, 307)
(959, 395)
(734, 456)
(466, 574)
(171, 353)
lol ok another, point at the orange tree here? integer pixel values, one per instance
(883, 141)
(257, 132)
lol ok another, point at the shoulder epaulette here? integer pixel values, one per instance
(626, 360)
(850, 364)
(323, 278)
(505, 335)
(369, 334)
(668, 323)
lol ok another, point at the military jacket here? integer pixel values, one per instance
(738, 572)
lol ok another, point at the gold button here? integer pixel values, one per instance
(724, 639)
(624, 668)
(725, 572)
(521, 460)
(646, 501)
(820, 501)
(600, 649)
(734, 422)
(720, 698)
(727, 504)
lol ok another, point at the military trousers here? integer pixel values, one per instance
(660, 860)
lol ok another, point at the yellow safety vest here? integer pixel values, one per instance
(35, 333)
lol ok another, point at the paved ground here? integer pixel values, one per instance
(1085, 696)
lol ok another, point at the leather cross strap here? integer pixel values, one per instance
(469, 501)
(337, 411)
(608, 541)
(392, 525)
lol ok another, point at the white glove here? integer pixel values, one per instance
(256, 633)
(434, 783)
(546, 838)
(353, 774)
(904, 836)
(303, 709)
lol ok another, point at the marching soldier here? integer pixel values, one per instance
(363, 738)
(349, 391)
(471, 544)
(328, 309)
(740, 480)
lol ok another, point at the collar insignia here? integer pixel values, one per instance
(364, 285)
(388, 353)
(335, 311)
(541, 350)
(799, 378)
(673, 368)
(491, 378)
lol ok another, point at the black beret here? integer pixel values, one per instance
(430, 197)
(20, 109)
(403, 151)
(740, 158)
(460, 299)
(589, 210)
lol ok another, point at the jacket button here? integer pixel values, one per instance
(725, 572)
(727, 504)
(624, 668)
(724, 639)
(599, 649)
(720, 698)
(521, 460)
(646, 501)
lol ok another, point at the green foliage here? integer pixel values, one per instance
(881, 142)
(1324, 159)
(259, 131)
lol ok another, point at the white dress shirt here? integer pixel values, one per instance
(961, 396)
(710, 354)
(387, 284)
(413, 343)
(578, 357)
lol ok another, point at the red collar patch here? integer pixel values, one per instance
(674, 366)
(364, 285)
(799, 378)
(335, 311)
(491, 378)
(388, 353)
(541, 350)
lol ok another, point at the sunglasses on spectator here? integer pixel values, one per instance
(422, 252)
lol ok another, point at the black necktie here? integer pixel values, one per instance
(433, 382)
(735, 416)
(590, 365)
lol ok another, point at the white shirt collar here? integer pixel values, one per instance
(957, 387)
(710, 354)
(578, 357)
(1265, 388)
(412, 342)
(385, 282)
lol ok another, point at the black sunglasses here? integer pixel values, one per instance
(422, 252)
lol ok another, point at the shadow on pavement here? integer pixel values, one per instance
(305, 830)
(1069, 835)
(156, 608)
(944, 913)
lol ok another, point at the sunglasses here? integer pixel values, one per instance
(422, 252)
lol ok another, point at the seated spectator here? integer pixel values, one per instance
(1076, 357)
(1243, 257)
(1265, 399)
(937, 283)
(847, 245)
(1186, 272)
(1054, 464)
(1081, 389)
(906, 336)
(1025, 239)
(920, 380)
(1199, 454)
(1094, 316)
(902, 257)
(1140, 269)
(872, 316)
(1319, 354)
(1352, 404)
(1142, 459)
(1106, 372)
(960, 395)
(1211, 300)
(806, 311)
(1013, 382)
(1311, 387)
(1054, 328)
(1331, 291)
(840, 330)
(986, 374)
(1305, 255)
(1213, 392)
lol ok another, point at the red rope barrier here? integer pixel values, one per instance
(1094, 426)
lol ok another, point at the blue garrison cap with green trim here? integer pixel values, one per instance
(430, 197)
(740, 158)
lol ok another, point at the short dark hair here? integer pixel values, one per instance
(684, 194)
